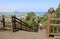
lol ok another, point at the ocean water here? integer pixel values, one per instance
(20, 13)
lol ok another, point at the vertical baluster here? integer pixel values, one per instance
(57, 29)
(14, 24)
(12, 18)
(3, 21)
(53, 30)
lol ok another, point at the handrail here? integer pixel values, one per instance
(55, 24)
(24, 24)
(55, 18)
(21, 22)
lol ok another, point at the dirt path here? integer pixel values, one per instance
(23, 35)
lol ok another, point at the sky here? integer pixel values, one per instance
(27, 5)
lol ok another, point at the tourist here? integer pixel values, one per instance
(40, 26)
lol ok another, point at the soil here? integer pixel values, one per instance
(41, 34)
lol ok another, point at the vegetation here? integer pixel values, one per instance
(54, 14)
(31, 19)
(58, 12)
(43, 20)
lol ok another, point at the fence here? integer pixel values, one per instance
(53, 29)
(6, 22)
(16, 24)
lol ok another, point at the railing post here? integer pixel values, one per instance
(37, 28)
(48, 27)
(21, 26)
(3, 21)
(12, 23)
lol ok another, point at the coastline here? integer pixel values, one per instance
(20, 13)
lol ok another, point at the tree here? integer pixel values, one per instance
(44, 20)
(31, 19)
(58, 11)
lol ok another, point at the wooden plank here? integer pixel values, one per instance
(57, 37)
(55, 24)
(3, 18)
(55, 18)
(48, 27)
(56, 34)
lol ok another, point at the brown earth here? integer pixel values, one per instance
(41, 34)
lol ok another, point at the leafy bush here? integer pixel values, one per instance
(31, 19)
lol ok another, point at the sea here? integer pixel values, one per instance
(21, 13)
(40, 14)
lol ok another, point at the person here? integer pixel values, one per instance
(41, 26)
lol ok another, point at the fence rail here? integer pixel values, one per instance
(55, 18)
(54, 24)
(55, 27)
(24, 24)
(14, 22)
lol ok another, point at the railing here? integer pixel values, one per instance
(23, 24)
(13, 24)
(53, 28)
(55, 18)
(6, 24)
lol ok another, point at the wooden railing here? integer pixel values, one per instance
(24, 24)
(53, 33)
(55, 18)
(4, 23)
(54, 24)
(14, 21)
